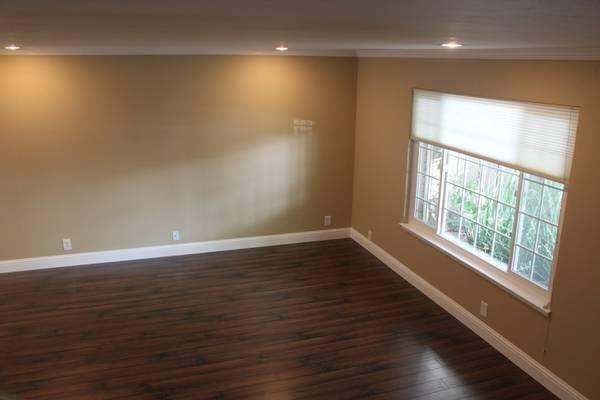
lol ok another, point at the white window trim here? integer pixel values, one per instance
(531, 294)
(537, 301)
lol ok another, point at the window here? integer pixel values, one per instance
(428, 184)
(502, 215)
(489, 181)
(479, 209)
(537, 233)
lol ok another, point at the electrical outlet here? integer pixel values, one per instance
(175, 236)
(483, 308)
(327, 220)
(67, 246)
(369, 234)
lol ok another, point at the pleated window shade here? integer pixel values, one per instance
(533, 137)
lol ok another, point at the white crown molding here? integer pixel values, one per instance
(536, 370)
(583, 54)
(175, 52)
(141, 253)
(487, 54)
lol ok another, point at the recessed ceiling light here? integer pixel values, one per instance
(281, 47)
(452, 45)
(12, 47)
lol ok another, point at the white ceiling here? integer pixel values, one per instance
(550, 29)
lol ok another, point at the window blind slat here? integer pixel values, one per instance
(529, 136)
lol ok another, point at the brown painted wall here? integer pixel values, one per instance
(116, 152)
(567, 342)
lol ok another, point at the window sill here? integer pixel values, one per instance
(538, 302)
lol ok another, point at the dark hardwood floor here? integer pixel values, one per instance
(322, 320)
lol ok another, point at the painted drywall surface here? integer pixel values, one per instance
(566, 343)
(117, 152)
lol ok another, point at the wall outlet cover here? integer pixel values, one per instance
(67, 246)
(483, 309)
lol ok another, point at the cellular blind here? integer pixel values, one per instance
(533, 137)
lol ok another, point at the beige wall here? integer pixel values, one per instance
(116, 152)
(567, 343)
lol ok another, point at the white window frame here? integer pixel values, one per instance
(527, 291)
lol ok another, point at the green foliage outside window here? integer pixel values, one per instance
(493, 210)
(480, 209)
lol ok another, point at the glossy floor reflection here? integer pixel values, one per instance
(323, 320)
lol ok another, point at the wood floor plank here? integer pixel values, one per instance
(322, 320)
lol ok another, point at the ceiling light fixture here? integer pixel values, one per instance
(12, 47)
(281, 47)
(452, 44)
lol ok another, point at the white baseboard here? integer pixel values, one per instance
(536, 370)
(99, 257)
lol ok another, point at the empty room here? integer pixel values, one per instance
(285, 200)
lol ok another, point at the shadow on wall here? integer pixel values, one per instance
(232, 194)
(244, 192)
(117, 152)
